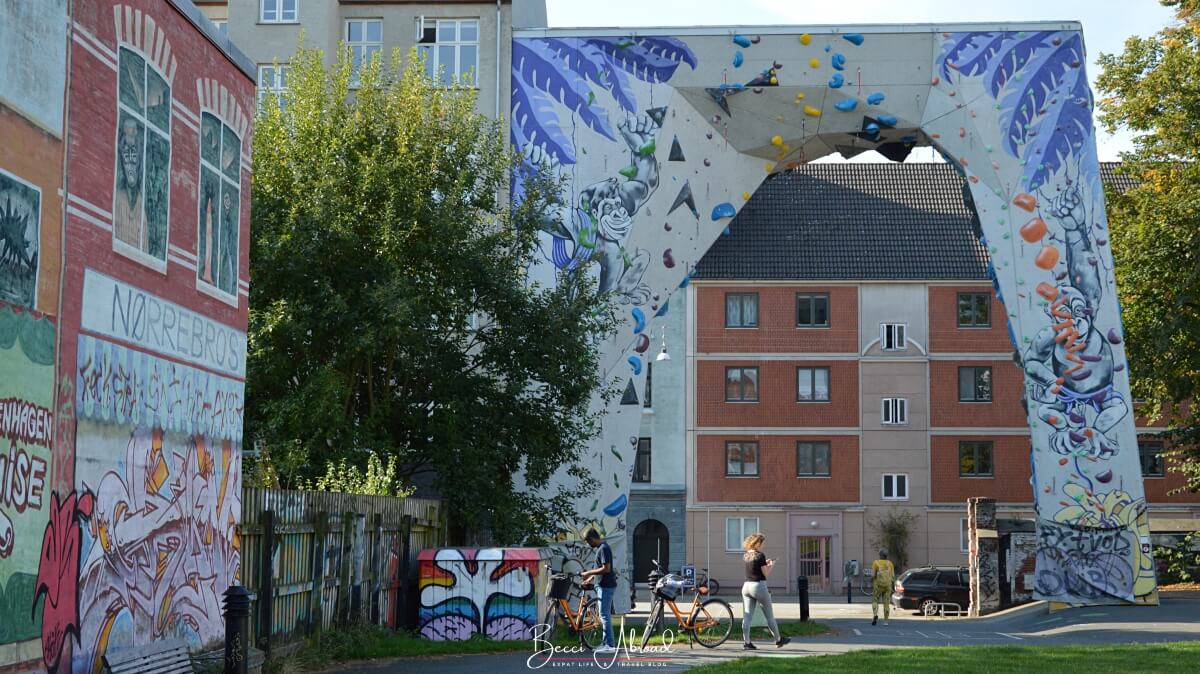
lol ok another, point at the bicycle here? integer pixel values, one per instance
(585, 621)
(710, 622)
(711, 584)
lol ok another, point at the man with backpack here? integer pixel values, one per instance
(884, 573)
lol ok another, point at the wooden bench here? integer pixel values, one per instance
(160, 657)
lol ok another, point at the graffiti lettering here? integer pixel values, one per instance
(22, 479)
(58, 574)
(469, 592)
(25, 422)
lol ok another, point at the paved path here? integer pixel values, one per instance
(1177, 619)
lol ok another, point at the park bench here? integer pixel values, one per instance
(159, 657)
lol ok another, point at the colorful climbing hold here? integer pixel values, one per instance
(668, 259)
(777, 140)
(854, 38)
(643, 343)
(617, 506)
(1113, 337)
(635, 363)
(1047, 291)
(838, 61)
(741, 40)
(836, 81)
(1034, 230)
(962, 132)
(800, 97)
(814, 63)
(875, 98)
(889, 120)
(811, 111)
(1105, 477)
(1047, 258)
(738, 58)
(723, 210)
(745, 196)
(667, 226)
(935, 81)
(805, 39)
(847, 105)
(826, 48)
(872, 128)
(639, 320)
(768, 167)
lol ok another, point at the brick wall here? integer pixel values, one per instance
(944, 333)
(777, 480)
(1004, 410)
(1010, 470)
(777, 404)
(1158, 488)
(777, 331)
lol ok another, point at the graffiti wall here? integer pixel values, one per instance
(662, 138)
(494, 592)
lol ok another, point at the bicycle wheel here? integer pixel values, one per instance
(591, 630)
(713, 586)
(553, 615)
(652, 622)
(712, 623)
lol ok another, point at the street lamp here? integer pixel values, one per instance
(663, 355)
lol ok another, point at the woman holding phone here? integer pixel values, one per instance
(755, 592)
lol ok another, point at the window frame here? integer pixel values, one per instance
(975, 383)
(279, 12)
(261, 92)
(742, 387)
(814, 445)
(741, 444)
(741, 531)
(898, 408)
(1162, 464)
(975, 446)
(812, 311)
(964, 536)
(974, 324)
(648, 454)
(742, 297)
(432, 50)
(648, 389)
(883, 487)
(812, 371)
(212, 288)
(363, 44)
(899, 334)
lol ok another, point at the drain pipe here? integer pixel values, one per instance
(498, 81)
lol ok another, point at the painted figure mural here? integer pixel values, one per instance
(20, 238)
(467, 592)
(1011, 110)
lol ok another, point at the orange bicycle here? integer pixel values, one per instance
(708, 621)
(585, 621)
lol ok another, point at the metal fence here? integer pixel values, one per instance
(315, 560)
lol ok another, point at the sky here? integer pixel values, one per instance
(1106, 24)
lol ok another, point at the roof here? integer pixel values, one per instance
(189, 10)
(857, 221)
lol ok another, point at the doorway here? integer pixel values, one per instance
(651, 540)
(812, 560)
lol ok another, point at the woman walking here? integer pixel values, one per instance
(755, 592)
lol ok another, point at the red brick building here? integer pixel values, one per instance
(848, 358)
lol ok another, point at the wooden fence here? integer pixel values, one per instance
(314, 560)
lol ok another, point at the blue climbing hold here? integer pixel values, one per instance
(639, 320)
(872, 128)
(636, 364)
(741, 40)
(838, 61)
(855, 38)
(836, 81)
(617, 506)
(663, 310)
(684, 282)
(846, 105)
(908, 139)
(875, 98)
(888, 120)
(723, 210)
(738, 59)
(726, 232)
(827, 48)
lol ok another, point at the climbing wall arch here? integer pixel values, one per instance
(662, 135)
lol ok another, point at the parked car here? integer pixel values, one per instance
(918, 588)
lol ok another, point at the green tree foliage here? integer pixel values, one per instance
(391, 313)
(1153, 89)
(347, 478)
(891, 531)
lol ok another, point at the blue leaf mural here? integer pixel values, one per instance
(1050, 74)
(973, 61)
(1047, 153)
(534, 117)
(636, 59)
(589, 62)
(955, 45)
(1012, 58)
(669, 48)
(538, 66)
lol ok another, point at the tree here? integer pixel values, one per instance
(891, 531)
(391, 313)
(1153, 89)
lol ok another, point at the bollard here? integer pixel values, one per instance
(802, 586)
(849, 596)
(237, 611)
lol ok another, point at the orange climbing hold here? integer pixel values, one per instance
(962, 132)
(1034, 230)
(962, 160)
(935, 81)
(1052, 419)
(1026, 201)
(973, 179)
(1047, 291)
(1047, 258)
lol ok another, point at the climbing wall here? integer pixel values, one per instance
(662, 138)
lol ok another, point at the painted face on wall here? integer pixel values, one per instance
(131, 157)
(610, 211)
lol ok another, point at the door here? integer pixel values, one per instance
(651, 540)
(812, 560)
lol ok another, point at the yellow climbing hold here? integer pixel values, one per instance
(814, 63)
(768, 167)
(774, 81)
(805, 39)
(745, 196)
(800, 96)
(811, 111)
(777, 140)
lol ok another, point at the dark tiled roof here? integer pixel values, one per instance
(856, 221)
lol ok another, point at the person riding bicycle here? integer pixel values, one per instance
(884, 573)
(606, 588)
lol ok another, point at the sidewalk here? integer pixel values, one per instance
(787, 607)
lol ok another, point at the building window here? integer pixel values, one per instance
(812, 311)
(364, 39)
(964, 535)
(975, 459)
(143, 162)
(641, 466)
(222, 25)
(736, 531)
(895, 411)
(741, 310)
(812, 384)
(812, 459)
(975, 384)
(1150, 453)
(741, 384)
(741, 458)
(649, 387)
(892, 336)
(220, 204)
(974, 310)
(278, 11)
(272, 80)
(895, 487)
(451, 50)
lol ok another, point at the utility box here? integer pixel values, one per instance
(499, 593)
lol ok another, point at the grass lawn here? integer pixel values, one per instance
(1140, 658)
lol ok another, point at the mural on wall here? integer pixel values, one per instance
(20, 239)
(465, 592)
(33, 86)
(143, 163)
(220, 203)
(658, 159)
(26, 442)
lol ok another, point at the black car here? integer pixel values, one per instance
(916, 588)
